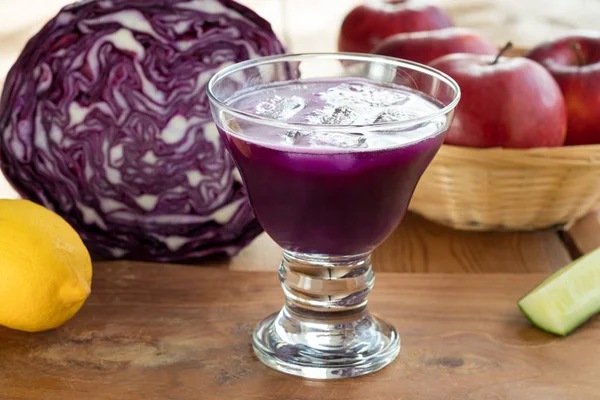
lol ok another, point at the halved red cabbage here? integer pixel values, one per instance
(105, 120)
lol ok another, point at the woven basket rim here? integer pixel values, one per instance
(551, 157)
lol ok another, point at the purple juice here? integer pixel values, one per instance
(338, 192)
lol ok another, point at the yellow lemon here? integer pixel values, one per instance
(45, 269)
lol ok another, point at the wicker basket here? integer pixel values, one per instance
(509, 189)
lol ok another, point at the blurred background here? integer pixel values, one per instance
(312, 25)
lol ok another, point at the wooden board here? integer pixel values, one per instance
(585, 233)
(151, 332)
(422, 246)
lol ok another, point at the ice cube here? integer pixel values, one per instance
(395, 115)
(292, 137)
(385, 98)
(295, 137)
(338, 139)
(363, 95)
(382, 116)
(281, 108)
(329, 115)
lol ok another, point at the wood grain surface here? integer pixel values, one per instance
(585, 233)
(422, 246)
(151, 332)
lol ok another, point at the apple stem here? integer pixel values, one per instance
(503, 50)
(577, 49)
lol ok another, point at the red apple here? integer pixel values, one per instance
(368, 24)
(424, 47)
(574, 61)
(505, 102)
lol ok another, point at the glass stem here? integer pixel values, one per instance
(324, 330)
(317, 286)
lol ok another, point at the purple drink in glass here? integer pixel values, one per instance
(330, 148)
(332, 193)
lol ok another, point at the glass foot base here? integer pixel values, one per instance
(344, 346)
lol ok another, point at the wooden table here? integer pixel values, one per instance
(422, 246)
(159, 331)
(156, 332)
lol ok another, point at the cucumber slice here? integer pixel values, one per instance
(568, 298)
